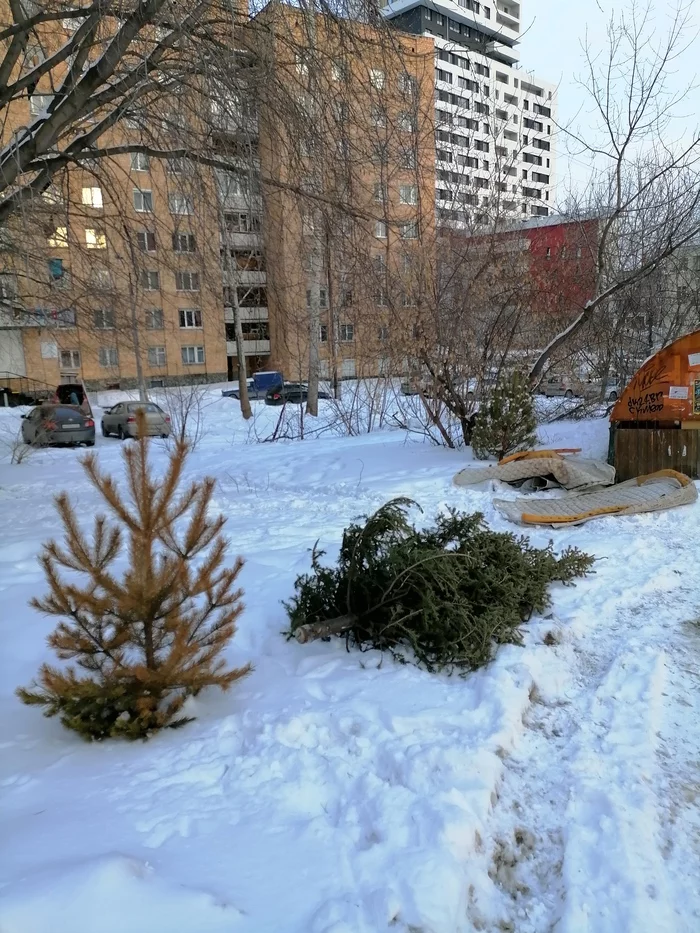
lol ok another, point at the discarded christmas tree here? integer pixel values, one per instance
(506, 421)
(148, 636)
(443, 597)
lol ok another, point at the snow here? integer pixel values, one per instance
(336, 792)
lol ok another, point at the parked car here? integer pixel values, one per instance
(258, 386)
(62, 425)
(294, 393)
(558, 386)
(120, 419)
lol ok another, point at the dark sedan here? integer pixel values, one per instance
(58, 424)
(293, 393)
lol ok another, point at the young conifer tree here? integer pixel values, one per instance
(506, 422)
(150, 635)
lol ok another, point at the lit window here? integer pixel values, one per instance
(59, 237)
(95, 239)
(92, 197)
(377, 78)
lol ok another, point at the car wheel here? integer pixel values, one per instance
(612, 397)
(568, 394)
(120, 433)
(105, 432)
(89, 443)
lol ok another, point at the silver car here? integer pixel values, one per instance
(121, 420)
(58, 424)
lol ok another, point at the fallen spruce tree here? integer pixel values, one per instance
(443, 596)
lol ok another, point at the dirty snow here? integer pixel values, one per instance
(335, 792)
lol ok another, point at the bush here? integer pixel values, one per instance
(152, 635)
(444, 596)
(506, 421)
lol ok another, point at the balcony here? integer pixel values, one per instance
(250, 347)
(246, 277)
(246, 314)
(36, 317)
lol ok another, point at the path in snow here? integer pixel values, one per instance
(597, 828)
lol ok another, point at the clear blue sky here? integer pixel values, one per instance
(553, 32)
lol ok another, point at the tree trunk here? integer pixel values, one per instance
(243, 397)
(314, 326)
(311, 631)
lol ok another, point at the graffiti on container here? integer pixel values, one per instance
(648, 404)
(648, 376)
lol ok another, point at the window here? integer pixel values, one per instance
(442, 75)
(408, 194)
(70, 359)
(323, 333)
(143, 201)
(156, 356)
(59, 237)
(346, 332)
(407, 85)
(408, 231)
(380, 230)
(8, 286)
(380, 192)
(184, 243)
(192, 356)
(95, 239)
(241, 222)
(92, 197)
(407, 122)
(38, 103)
(377, 78)
(101, 278)
(108, 356)
(150, 280)
(57, 271)
(146, 240)
(187, 281)
(302, 63)
(139, 162)
(190, 318)
(407, 159)
(548, 252)
(322, 297)
(154, 319)
(176, 166)
(383, 333)
(348, 369)
(180, 204)
(104, 319)
(378, 115)
(339, 71)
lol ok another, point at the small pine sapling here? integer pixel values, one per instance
(506, 422)
(152, 634)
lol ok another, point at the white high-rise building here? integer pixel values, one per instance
(494, 121)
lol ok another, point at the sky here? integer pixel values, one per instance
(551, 46)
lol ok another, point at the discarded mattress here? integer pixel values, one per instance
(542, 466)
(666, 489)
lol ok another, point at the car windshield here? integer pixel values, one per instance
(148, 407)
(62, 412)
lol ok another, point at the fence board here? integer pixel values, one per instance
(645, 450)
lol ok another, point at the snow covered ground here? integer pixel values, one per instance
(556, 789)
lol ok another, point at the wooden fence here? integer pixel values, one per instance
(646, 450)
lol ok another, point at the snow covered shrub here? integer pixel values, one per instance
(150, 635)
(506, 421)
(444, 596)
